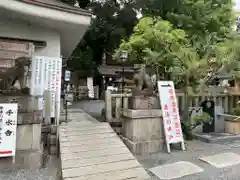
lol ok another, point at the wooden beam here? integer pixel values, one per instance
(36, 43)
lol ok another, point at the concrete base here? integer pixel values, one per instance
(144, 102)
(29, 137)
(142, 130)
(143, 147)
(216, 137)
(28, 159)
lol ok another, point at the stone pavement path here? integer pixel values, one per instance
(91, 150)
(218, 162)
(195, 150)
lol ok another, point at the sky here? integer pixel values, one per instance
(237, 6)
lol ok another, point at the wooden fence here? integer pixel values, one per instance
(113, 102)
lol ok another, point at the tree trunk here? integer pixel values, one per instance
(186, 98)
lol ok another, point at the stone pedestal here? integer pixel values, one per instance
(144, 102)
(142, 130)
(29, 149)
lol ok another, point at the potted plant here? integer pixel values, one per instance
(189, 125)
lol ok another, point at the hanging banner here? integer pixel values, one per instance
(8, 128)
(170, 114)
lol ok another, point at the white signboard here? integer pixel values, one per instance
(170, 113)
(8, 125)
(67, 75)
(46, 76)
(90, 87)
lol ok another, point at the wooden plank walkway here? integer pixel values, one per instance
(91, 150)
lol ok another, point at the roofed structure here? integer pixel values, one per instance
(54, 4)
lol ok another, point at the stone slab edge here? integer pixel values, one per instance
(136, 114)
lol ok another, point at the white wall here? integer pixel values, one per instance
(24, 30)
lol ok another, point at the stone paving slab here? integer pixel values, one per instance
(90, 147)
(76, 143)
(87, 137)
(222, 160)
(83, 123)
(96, 153)
(66, 129)
(100, 168)
(73, 163)
(175, 170)
(130, 174)
(89, 132)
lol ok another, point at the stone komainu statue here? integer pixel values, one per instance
(18, 72)
(144, 85)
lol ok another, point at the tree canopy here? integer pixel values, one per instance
(112, 21)
(170, 29)
(158, 44)
(183, 35)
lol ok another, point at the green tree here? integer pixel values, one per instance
(158, 44)
(206, 22)
(112, 22)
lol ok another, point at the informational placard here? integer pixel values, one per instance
(46, 76)
(8, 128)
(90, 87)
(67, 75)
(170, 113)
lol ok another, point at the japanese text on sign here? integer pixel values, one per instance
(171, 118)
(8, 128)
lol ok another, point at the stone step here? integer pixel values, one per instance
(86, 137)
(88, 132)
(76, 143)
(100, 168)
(84, 128)
(81, 162)
(83, 125)
(91, 147)
(130, 174)
(93, 154)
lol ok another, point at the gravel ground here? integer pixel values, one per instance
(196, 149)
(50, 171)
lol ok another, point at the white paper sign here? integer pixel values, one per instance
(8, 125)
(90, 87)
(46, 76)
(170, 113)
(67, 75)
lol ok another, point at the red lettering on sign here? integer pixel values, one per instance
(176, 125)
(178, 131)
(169, 128)
(172, 98)
(171, 91)
(168, 121)
(174, 110)
(175, 117)
(5, 152)
(166, 114)
(174, 105)
(166, 107)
